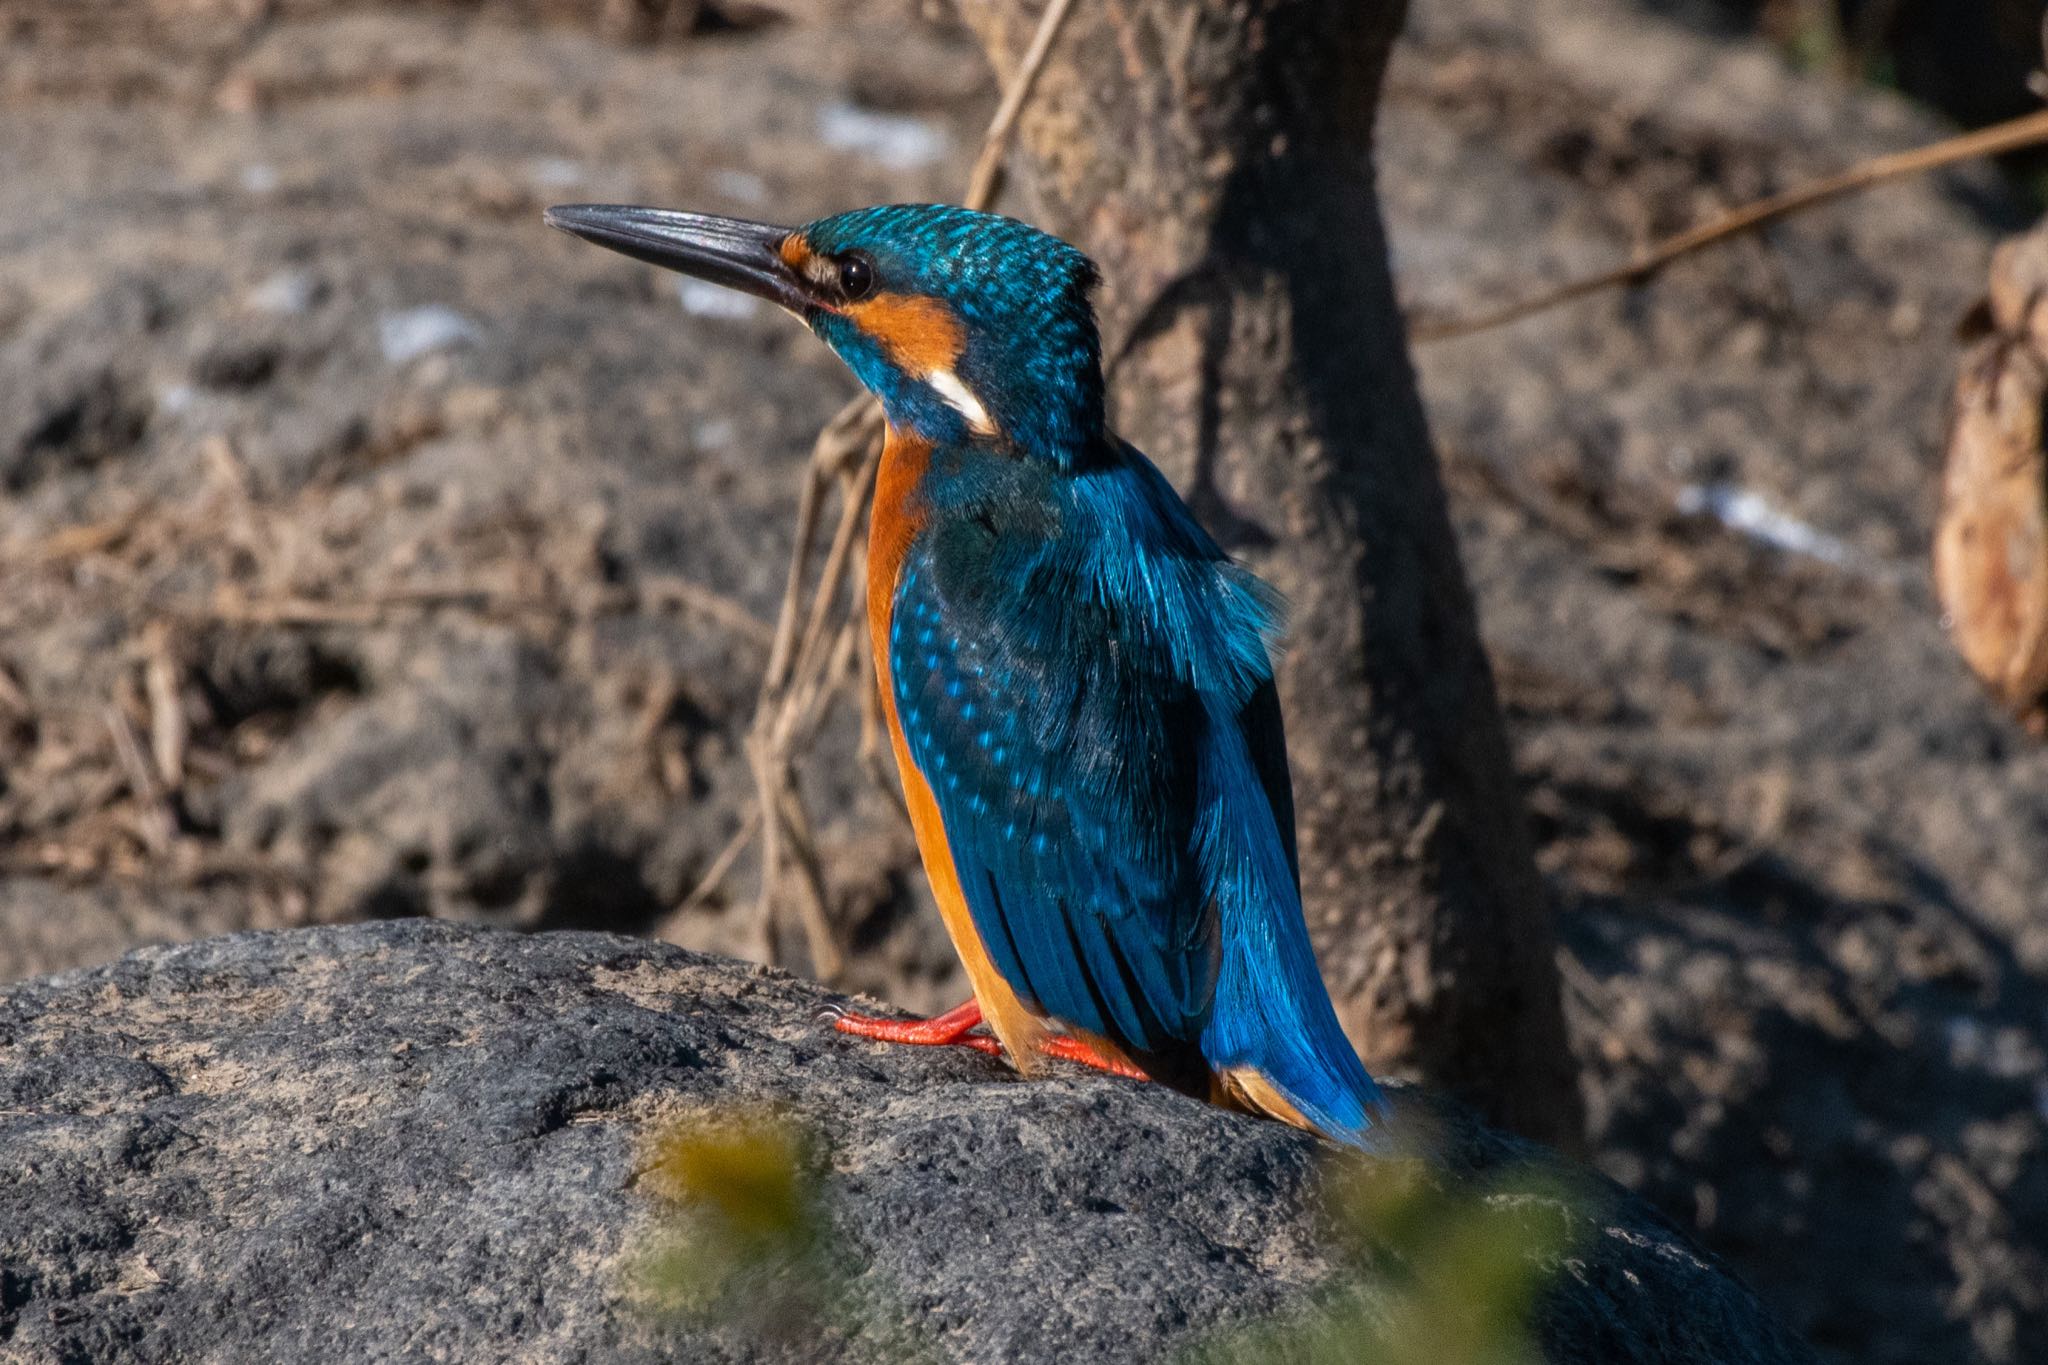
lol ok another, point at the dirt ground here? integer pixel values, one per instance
(367, 550)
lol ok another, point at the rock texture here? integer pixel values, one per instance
(412, 1140)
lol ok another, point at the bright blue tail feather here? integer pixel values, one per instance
(1271, 1013)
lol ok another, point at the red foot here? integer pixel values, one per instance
(951, 1027)
(1074, 1050)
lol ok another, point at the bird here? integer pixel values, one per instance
(1078, 682)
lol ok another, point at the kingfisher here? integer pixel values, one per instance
(1077, 680)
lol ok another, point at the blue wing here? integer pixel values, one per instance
(1061, 678)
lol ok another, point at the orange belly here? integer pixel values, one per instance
(898, 516)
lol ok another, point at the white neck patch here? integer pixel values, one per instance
(961, 399)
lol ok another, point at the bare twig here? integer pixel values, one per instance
(794, 688)
(158, 826)
(380, 607)
(75, 542)
(828, 959)
(988, 167)
(168, 732)
(2029, 131)
(783, 653)
(769, 780)
(12, 699)
(722, 864)
(856, 479)
(713, 606)
(853, 502)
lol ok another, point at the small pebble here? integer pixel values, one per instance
(287, 293)
(415, 332)
(554, 172)
(744, 186)
(704, 300)
(897, 143)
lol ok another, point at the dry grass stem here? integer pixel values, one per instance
(2013, 135)
(715, 874)
(168, 731)
(157, 825)
(988, 166)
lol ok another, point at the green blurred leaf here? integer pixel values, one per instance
(745, 1240)
(745, 1227)
(1435, 1274)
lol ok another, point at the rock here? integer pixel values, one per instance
(412, 1139)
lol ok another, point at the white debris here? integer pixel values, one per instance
(287, 293)
(259, 177)
(1751, 514)
(2006, 1053)
(1966, 1042)
(744, 186)
(897, 142)
(704, 300)
(415, 332)
(554, 172)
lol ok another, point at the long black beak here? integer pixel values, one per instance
(729, 251)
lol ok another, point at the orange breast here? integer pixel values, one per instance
(899, 514)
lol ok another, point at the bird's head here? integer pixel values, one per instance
(967, 326)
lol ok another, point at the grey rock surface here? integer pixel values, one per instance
(413, 1140)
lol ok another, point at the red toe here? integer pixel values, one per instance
(1074, 1050)
(950, 1027)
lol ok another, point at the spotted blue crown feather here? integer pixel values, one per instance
(1023, 297)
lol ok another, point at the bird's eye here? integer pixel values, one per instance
(856, 275)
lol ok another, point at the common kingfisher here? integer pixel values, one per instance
(1078, 681)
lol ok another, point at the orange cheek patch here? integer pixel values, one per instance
(921, 334)
(795, 252)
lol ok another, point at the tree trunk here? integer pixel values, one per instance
(1215, 158)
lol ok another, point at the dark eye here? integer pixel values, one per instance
(856, 275)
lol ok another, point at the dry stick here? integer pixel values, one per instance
(803, 676)
(814, 907)
(2030, 131)
(768, 784)
(981, 184)
(168, 732)
(871, 727)
(12, 698)
(779, 657)
(722, 864)
(713, 606)
(853, 502)
(849, 663)
(784, 687)
(229, 606)
(159, 826)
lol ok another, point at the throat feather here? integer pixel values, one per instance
(924, 338)
(961, 399)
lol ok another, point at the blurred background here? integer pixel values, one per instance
(367, 550)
